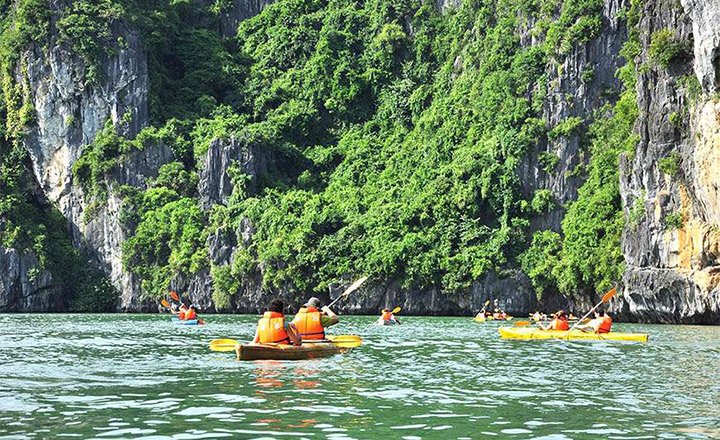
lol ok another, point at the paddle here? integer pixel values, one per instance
(165, 303)
(396, 310)
(349, 290)
(223, 344)
(522, 323)
(174, 296)
(605, 299)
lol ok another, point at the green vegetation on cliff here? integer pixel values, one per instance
(394, 134)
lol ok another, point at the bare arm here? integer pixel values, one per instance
(331, 314)
(293, 334)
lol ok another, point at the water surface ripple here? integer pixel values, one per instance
(140, 376)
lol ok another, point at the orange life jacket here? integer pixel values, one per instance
(309, 324)
(190, 315)
(386, 316)
(559, 324)
(603, 324)
(271, 328)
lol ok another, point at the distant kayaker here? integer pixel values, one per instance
(190, 313)
(387, 318)
(311, 320)
(559, 323)
(273, 328)
(537, 316)
(179, 312)
(499, 315)
(601, 324)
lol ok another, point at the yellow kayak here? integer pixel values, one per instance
(490, 318)
(537, 333)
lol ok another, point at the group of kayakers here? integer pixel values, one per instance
(309, 324)
(602, 323)
(497, 315)
(179, 309)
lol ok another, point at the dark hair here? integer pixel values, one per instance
(276, 305)
(600, 311)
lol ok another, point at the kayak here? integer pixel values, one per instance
(386, 323)
(308, 350)
(537, 333)
(179, 321)
(490, 318)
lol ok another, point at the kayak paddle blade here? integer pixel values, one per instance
(347, 344)
(522, 323)
(344, 338)
(609, 295)
(174, 296)
(354, 286)
(396, 310)
(223, 344)
(223, 347)
(165, 303)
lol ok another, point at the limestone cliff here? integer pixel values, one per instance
(670, 185)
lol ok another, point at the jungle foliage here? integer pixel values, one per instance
(394, 135)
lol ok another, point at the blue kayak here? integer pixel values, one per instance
(179, 321)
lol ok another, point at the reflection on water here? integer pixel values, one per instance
(138, 376)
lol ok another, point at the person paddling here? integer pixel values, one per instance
(601, 324)
(559, 323)
(190, 313)
(311, 320)
(179, 311)
(274, 329)
(499, 315)
(387, 318)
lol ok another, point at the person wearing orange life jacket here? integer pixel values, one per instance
(311, 320)
(559, 323)
(387, 318)
(179, 312)
(601, 324)
(274, 329)
(190, 313)
(499, 315)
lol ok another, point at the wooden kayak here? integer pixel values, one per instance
(538, 333)
(308, 350)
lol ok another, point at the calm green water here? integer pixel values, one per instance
(139, 376)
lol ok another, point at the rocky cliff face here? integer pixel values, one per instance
(24, 287)
(70, 113)
(670, 185)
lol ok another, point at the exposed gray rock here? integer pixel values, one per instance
(672, 273)
(667, 296)
(70, 113)
(240, 10)
(444, 5)
(20, 290)
(705, 15)
(569, 95)
(215, 185)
